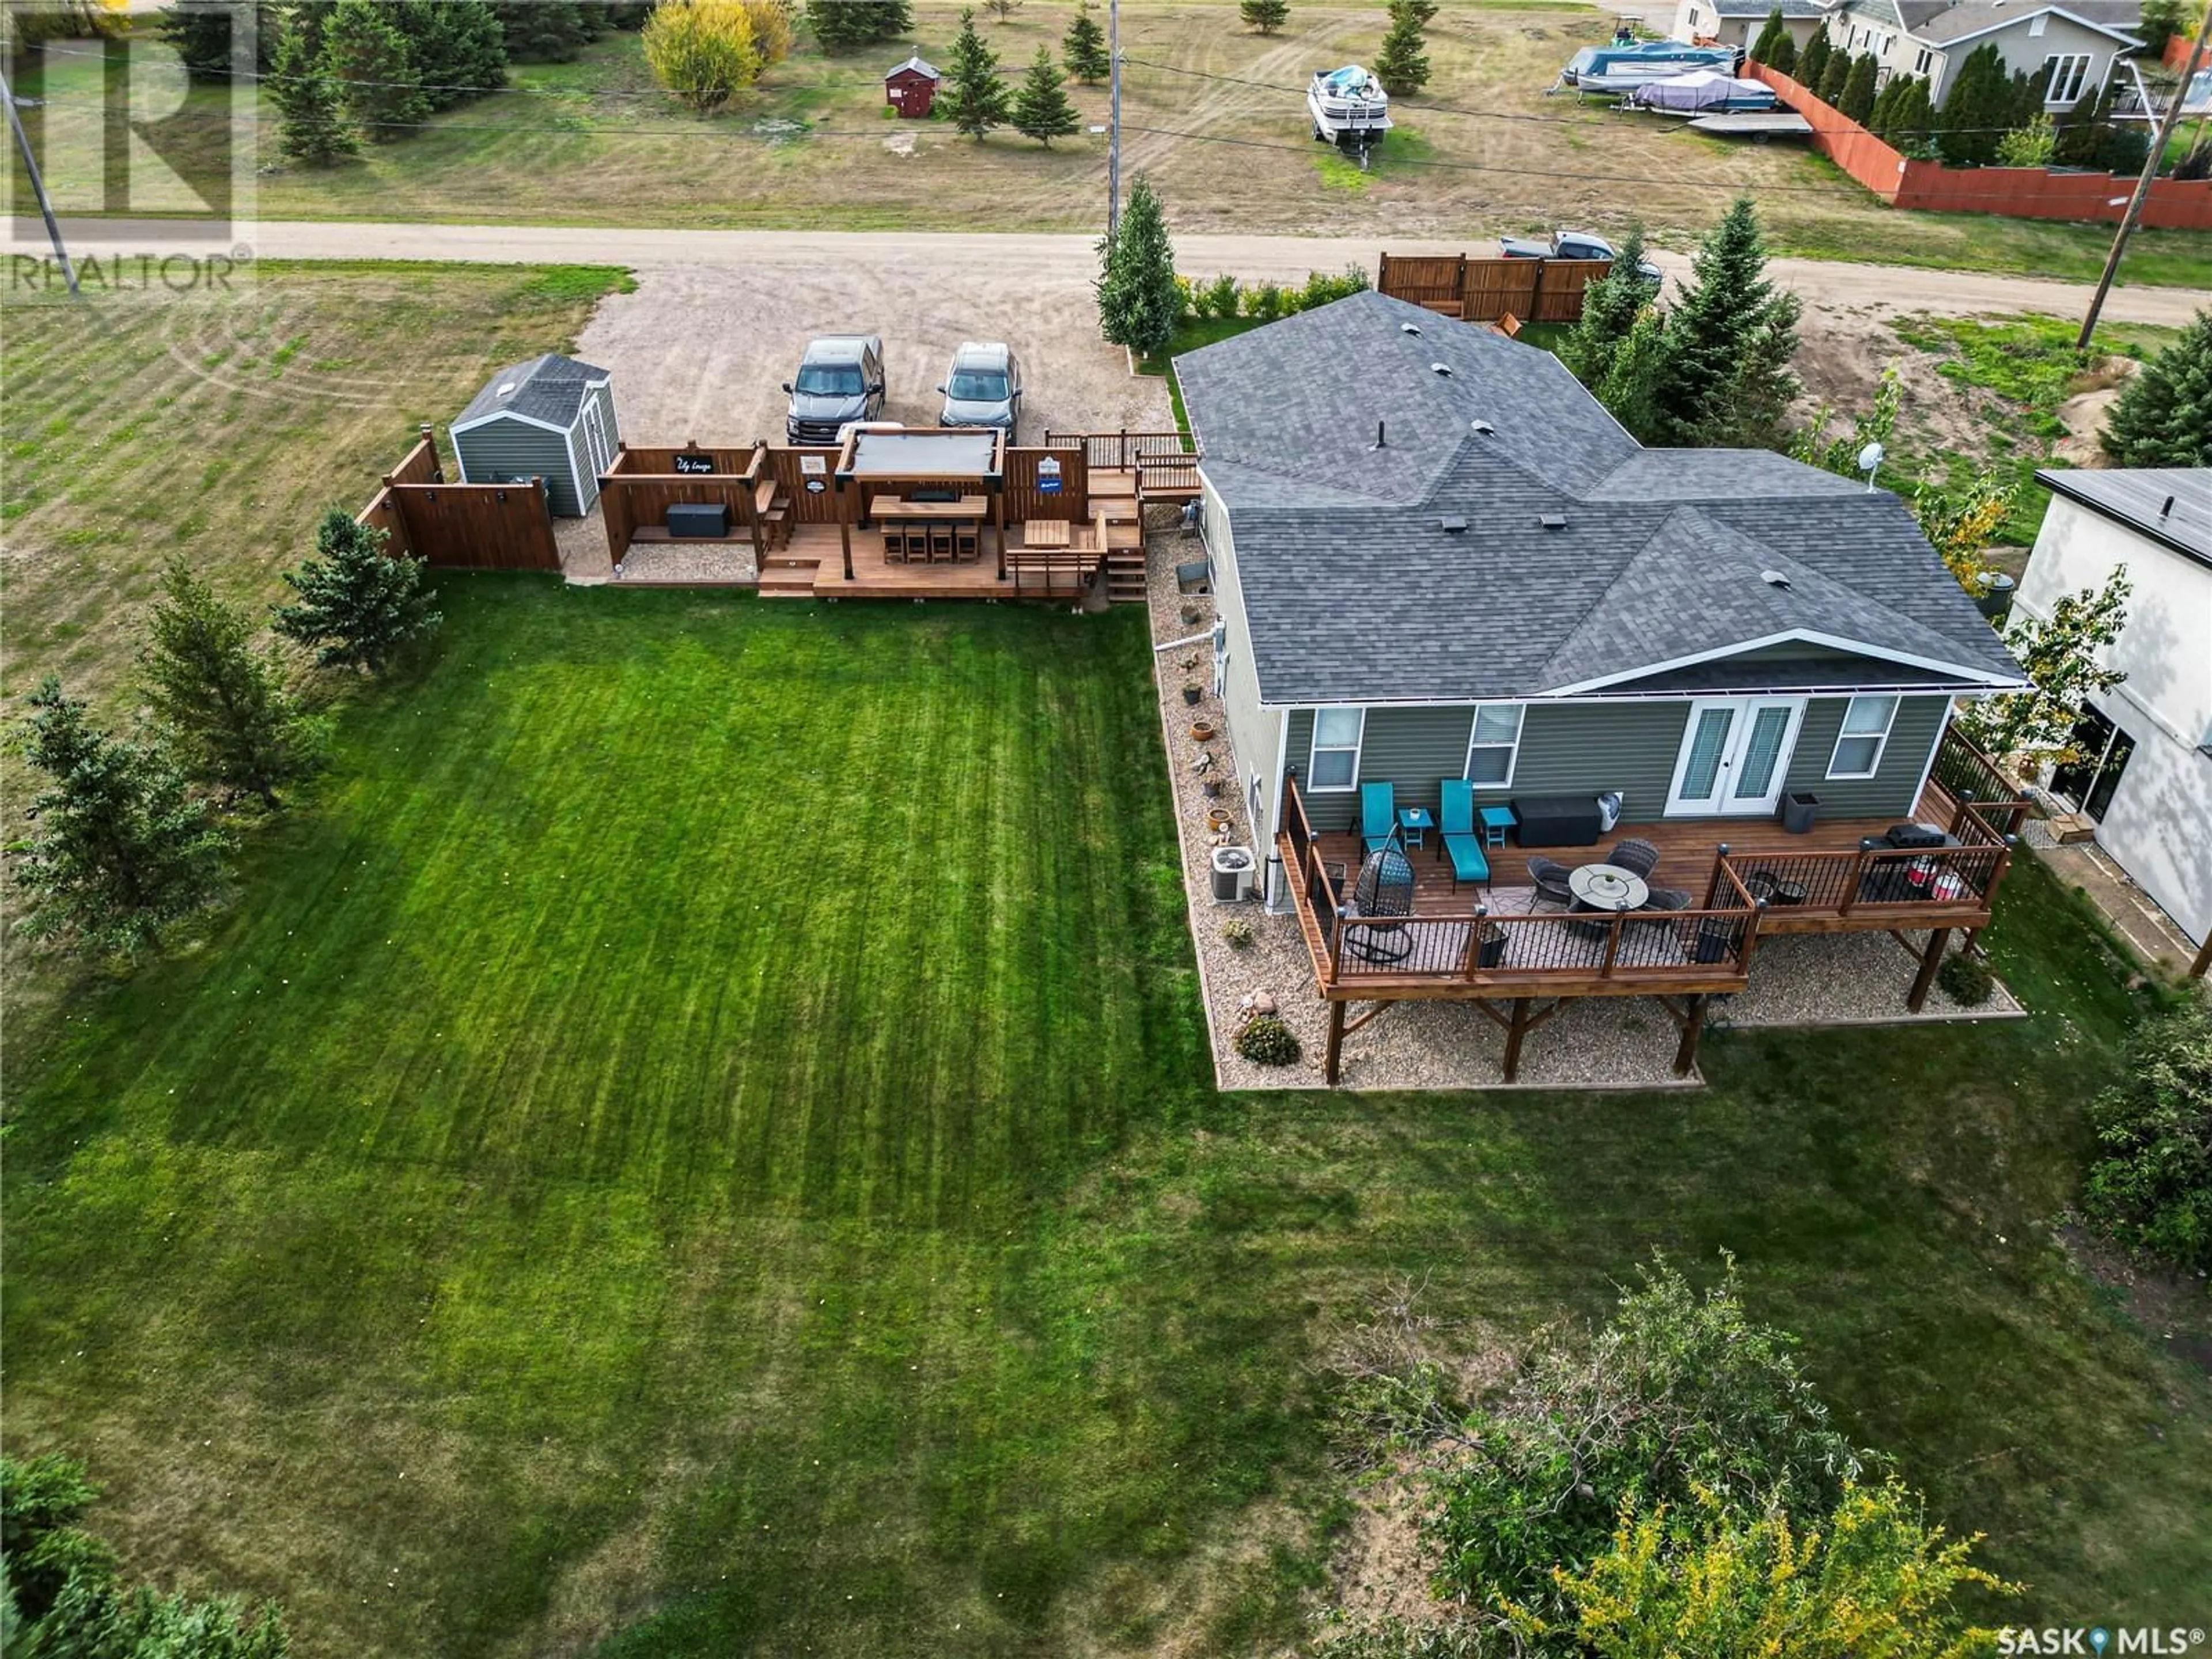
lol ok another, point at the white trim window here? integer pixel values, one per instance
(1920, 64)
(1494, 744)
(1862, 737)
(2063, 74)
(1334, 764)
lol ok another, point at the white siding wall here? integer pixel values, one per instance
(2159, 827)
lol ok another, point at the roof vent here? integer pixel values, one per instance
(1552, 521)
(1484, 429)
(2166, 508)
(1452, 524)
(1380, 442)
(1413, 329)
(1774, 579)
(506, 389)
(1444, 369)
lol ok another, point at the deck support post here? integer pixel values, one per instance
(1931, 959)
(1330, 1066)
(1517, 1029)
(1693, 1022)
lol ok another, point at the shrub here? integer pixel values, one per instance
(2152, 1190)
(2030, 146)
(1321, 289)
(2158, 419)
(1267, 1042)
(701, 50)
(1237, 934)
(771, 21)
(1965, 979)
(356, 606)
(1263, 301)
(1217, 298)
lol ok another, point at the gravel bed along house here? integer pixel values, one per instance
(1594, 1042)
(650, 563)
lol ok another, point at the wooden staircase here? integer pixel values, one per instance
(784, 574)
(1113, 494)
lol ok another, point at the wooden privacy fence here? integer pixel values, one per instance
(461, 527)
(1483, 290)
(1029, 471)
(645, 480)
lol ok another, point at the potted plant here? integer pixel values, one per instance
(1192, 691)
(1212, 786)
(1217, 818)
(1202, 732)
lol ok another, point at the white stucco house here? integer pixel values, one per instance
(2146, 775)
(2071, 48)
(1737, 22)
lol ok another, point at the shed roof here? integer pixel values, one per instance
(1586, 559)
(914, 65)
(549, 390)
(2138, 497)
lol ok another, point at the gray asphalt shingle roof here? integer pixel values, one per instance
(1355, 592)
(550, 388)
(1760, 8)
(2169, 504)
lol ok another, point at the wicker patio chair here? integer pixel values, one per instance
(1638, 857)
(1549, 877)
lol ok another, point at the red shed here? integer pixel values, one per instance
(911, 89)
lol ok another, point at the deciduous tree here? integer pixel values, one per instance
(1043, 110)
(232, 723)
(2163, 415)
(378, 80)
(701, 50)
(2030, 729)
(356, 607)
(1138, 301)
(120, 848)
(973, 94)
(1402, 65)
(1083, 49)
(2151, 1185)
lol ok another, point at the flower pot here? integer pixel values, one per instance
(1212, 787)
(1217, 818)
(1202, 732)
(1800, 811)
(1191, 694)
(1490, 948)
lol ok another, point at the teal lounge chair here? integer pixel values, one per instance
(1457, 839)
(1378, 817)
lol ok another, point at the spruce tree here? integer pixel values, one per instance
(1857, 101)
(1725, 379)
(1814, 65)
(2163, 415)
(1264, 15)
(1084, 50)
(848, 25)
(1402, 65)
(1041, 108)
(458, 45)
(1912, 118)
(234, 726)
(1878, 116)
(1773, 43)
(542, 31)
(356, 606)
(310, 120)
(1610, 307)
(377, 78)
(1139, 301)
(973, 94)
(119, 848)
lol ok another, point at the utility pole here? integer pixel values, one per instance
(1114, 121)
(2166, 127)
(39, 185)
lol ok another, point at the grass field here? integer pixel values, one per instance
(1214, 114)
(697, 1138)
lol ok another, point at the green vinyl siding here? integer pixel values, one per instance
(1588, 748)
(1890, 792)
(505, 448)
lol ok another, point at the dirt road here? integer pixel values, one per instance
(951, 261)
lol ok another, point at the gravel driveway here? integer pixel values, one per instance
(700, 351)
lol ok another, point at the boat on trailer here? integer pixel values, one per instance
(1623, 69)
(1702, 91)
(1349, 107)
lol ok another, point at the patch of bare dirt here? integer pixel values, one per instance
(2084, 413)
(1841, 355)
(2173, 1308)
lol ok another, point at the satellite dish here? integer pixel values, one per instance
(1870, 462)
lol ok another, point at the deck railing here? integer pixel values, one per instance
(1972, 776)
(1125, 450)
(1924, 886)
(1653, 950)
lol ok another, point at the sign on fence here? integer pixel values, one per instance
(695, 462)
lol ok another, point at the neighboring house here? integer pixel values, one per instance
(551, 418)
(1737, 22)
(2070, 49)
(1510, 589)
(2146, 775)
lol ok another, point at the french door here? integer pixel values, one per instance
(1735, 755)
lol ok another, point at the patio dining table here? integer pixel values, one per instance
(1608, 887)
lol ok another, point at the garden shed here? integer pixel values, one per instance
(911, 89)
(551, 417)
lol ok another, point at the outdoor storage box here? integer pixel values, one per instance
(699, 518)
(1558, 820)
(1800, 811)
